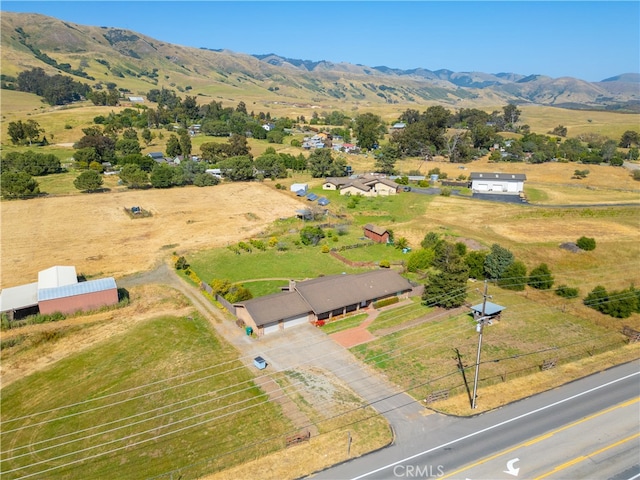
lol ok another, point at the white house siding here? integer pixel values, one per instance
(354, 191)
(383, 189)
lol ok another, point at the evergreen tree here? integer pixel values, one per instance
(540, 277)
(514, 276)
(497, 261)
(447, 288)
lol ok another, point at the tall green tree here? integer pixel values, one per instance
(497, 261)
(475, 261)
(386, 159)
(18, 185)
(162, 176)
(322, 164)
(173, 146)
(511, 114)
(88, 181)
(514, 276)
(447, 288)
(238, 168)
(271, 165)
(20, 131)
(629, 139)
(133, 176)
(185, 144)
(368, 129)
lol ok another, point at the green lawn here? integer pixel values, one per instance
(344, 324)
(166, 395)
(296, 263)
(398, 315)
(421, 359)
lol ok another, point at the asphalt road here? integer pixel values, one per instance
(483, 446)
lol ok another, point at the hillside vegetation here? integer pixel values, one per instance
(137, 63)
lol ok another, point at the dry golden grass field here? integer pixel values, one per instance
(94, 233)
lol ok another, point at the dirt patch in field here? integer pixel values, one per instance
(93, 233)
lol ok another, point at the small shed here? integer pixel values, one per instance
(377, 234)
(491, 310)
(297, 187)
(260, 363)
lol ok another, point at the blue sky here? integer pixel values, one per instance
(590, 40)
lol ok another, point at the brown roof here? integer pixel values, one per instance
(336, 291)
(279, 306)
(375, 229)
(324, 294)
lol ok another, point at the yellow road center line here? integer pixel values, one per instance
(543, 437)
(579, 459)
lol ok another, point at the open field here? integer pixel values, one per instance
(93, 232)
(157, 363)
(169, 386)
(534, 327)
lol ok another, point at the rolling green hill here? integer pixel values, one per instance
(137, 63)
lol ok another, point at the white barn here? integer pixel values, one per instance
(506, 183)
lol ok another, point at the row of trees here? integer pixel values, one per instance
(618, 303)
(536, 148)
(55, 89)
(468, 133)
(18, 170)
(449, 266)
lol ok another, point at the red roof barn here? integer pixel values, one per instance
(377, 234)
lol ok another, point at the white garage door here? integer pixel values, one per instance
(481, 187)
(292, 322)
(271, 328)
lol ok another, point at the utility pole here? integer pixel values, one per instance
(479, 329)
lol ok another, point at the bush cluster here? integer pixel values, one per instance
(586, 243)
(618, 304)
(386, 302)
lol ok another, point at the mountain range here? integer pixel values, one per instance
(138, 63)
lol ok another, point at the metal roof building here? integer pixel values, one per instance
(58, 290)
(57, 276)
(88, 295)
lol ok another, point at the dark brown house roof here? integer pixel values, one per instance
(279, 306)
(324, 294)
(330, 293)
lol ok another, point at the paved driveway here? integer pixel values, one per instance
(300, 347)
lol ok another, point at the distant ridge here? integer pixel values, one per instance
(138, 63)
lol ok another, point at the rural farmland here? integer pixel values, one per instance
(260, 333)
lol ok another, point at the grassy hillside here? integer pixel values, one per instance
(136, 63)
(161, 396)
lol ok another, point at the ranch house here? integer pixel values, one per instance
(506, 183)
(320, 299)
(365, 185)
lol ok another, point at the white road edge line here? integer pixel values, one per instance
(551, 405)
